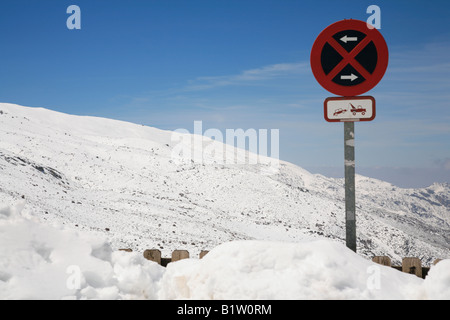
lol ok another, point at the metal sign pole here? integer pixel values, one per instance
(350, 202)
(349, 59)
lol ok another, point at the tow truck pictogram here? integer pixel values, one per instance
(359, 109)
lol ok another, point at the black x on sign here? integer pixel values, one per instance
(348, 58)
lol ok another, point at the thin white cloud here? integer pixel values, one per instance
(249, 76)
(443, 164)
(447, 165)
(426, 63)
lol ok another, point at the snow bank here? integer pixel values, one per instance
(49, 262)
(437, 283)
(38, 261)
(274, 270)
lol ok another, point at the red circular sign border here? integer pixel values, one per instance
(368, 84)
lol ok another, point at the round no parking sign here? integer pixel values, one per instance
(348, 58)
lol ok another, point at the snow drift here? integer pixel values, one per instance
(39, 261)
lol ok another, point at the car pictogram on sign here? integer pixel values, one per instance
(359, 109)
(339, 111)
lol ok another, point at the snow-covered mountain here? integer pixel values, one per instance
(120, 179)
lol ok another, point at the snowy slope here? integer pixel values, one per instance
(119, 179)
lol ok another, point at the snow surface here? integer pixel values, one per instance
(77, 189)
(120, 180)
(42, 261)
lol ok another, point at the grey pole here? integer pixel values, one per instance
(350, 202)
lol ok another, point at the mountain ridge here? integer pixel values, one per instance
(119, 179)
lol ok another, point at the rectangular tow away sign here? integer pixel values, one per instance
(349, 109)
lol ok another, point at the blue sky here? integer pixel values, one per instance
(237, 64)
